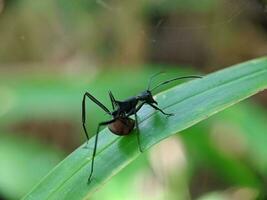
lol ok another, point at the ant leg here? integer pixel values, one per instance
(139, 107)
(157, 108)
(112, 99)
(134, 111)
(138, 132)
(95, 146)
(92, 98)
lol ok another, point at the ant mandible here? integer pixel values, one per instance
(121, 124)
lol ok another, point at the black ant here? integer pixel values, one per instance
(121, 124)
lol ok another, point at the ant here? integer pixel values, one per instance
(121, 124)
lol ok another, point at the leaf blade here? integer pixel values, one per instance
(192, 102)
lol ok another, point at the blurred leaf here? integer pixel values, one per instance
(192, 102)
(205, 154)
(246, 121)
(23, 163)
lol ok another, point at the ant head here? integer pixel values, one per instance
(147, 97)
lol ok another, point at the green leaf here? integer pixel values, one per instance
(191, 102)
(23, 159)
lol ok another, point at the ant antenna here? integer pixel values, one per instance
(151, 78)
(174, 79)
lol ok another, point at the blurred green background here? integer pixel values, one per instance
(52, 51)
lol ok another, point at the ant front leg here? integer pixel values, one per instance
(157, 108)
(95, 146)
(92, 98)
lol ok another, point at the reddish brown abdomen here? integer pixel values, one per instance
(122, 126)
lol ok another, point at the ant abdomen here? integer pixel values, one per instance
(122, 126)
